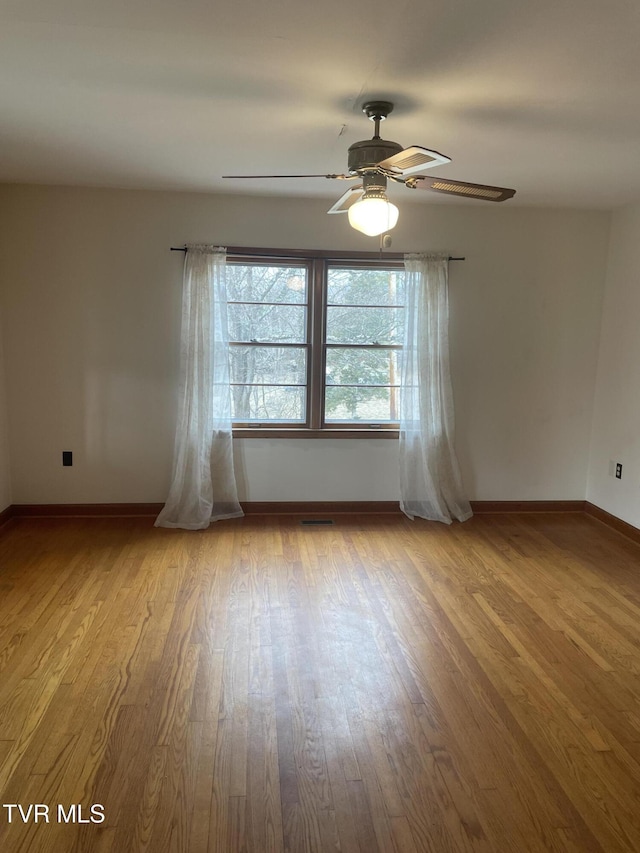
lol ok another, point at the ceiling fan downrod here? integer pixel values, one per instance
(377, 111)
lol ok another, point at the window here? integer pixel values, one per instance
(314, 342)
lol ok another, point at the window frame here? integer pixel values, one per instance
(317, 264)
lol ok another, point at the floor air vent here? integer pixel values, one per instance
(317, 521)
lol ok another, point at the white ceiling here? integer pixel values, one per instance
(540, 95)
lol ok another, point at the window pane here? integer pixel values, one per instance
(361, 367)
(273, 323)
(365, 287)
(364, 325)
(269, 365)
(370, 405)
(268, 403)
(253, 283)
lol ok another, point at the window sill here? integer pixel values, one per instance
(278, 432)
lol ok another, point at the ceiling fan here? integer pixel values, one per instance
(375, 161)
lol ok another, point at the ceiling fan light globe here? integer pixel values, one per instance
(373, 216)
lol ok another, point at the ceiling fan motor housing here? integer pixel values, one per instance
(365, 154)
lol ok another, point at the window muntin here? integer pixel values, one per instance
(314, 344)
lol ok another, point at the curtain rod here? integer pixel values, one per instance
(241, 250)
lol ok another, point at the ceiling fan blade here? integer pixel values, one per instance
(412, 160)
(258, 177)
(352, 195)
(462, 188)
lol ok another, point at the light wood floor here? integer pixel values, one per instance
(377, 685)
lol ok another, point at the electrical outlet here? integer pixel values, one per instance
(618, 470)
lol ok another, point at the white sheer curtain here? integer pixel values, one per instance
(430, 483)
(204, 486)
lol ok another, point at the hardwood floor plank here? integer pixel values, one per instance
(148, 803)
(264, 808)
(204, 771)
(363, 819)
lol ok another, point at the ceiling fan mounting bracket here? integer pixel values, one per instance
(377, 110)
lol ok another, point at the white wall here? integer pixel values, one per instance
(5, 470)
(92, 304)
(616, 417)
